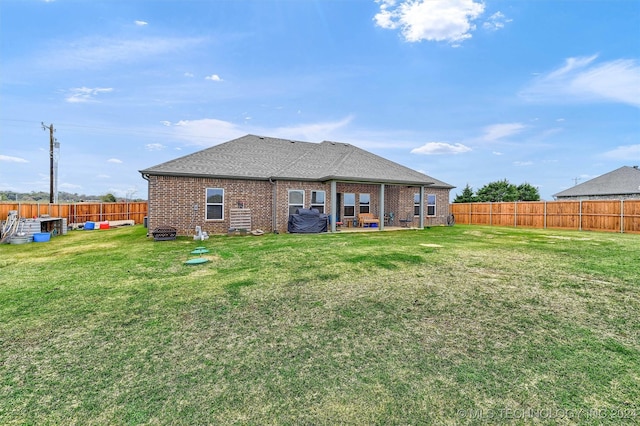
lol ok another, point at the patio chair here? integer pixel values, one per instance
(388, 218)
(405, 222)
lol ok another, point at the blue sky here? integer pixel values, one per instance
(541, 91)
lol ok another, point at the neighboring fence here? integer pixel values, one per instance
(79, 212)
(587, 215)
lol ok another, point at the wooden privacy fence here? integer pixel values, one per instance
(587, 215)
(79, 212)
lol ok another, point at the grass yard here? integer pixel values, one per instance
(449, 325)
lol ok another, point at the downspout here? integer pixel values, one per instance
(381, 208)
(274, 206)
(334, 211)
(421, 223)
(146, 177)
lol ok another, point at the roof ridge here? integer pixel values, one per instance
(336, 164)
(278, 172)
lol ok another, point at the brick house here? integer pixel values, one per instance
(264, 180)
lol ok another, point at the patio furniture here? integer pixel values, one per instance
(388, 218)
(164, 233)
(405, 222)
(367, 219)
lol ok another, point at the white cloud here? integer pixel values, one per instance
(70, 186)
(437, 148)
(114, 160)
(213, 77)
(496, 22)
(10, 159)
(499, 131)
(86, 94)
(188, 74)
(430, 20)
(154, 147)
(141, 23)
(583, 80)
(210, 131)
(625, 152)
(206, 131)
(311, 131)
(523, 163)
(166, 123)
(100, 52)
(103, 176)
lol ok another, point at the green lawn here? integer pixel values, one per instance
(449, 325)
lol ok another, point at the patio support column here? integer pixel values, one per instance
(381, 208)
(334, 202)
(421, 225)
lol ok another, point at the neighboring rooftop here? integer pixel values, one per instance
(258, 157)
(624, 181)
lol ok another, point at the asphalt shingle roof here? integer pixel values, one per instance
(622, 181)
(258, 157)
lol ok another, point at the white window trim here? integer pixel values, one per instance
(345, 205)
(289, 204)
(435, 201)
(323, 204)
(207, 204)
(368, 205)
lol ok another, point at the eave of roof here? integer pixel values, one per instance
(622, 181)
(261, 158)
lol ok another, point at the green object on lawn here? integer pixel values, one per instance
(196, 261)
(200, 251)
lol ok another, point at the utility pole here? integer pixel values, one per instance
(576, 180)
(51, 143)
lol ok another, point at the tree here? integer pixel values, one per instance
(498, 191)
(466, 196)
(109, 198)
(528, 192)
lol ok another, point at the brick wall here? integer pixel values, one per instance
(172, 201)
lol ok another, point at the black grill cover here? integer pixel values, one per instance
(307, 221)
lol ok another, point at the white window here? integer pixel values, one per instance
(349, 205)
(416, 204)
(365, 203)
(431, 205)
(215, 204)
(317, 200)
(296, 200)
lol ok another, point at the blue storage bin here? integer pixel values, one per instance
(41, 237)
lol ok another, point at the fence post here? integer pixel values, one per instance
(515, 214)
(621, 216)
(580, 216)
(544, 219)
(490, 213)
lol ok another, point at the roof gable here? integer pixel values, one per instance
(622, 181)
(257, 157)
